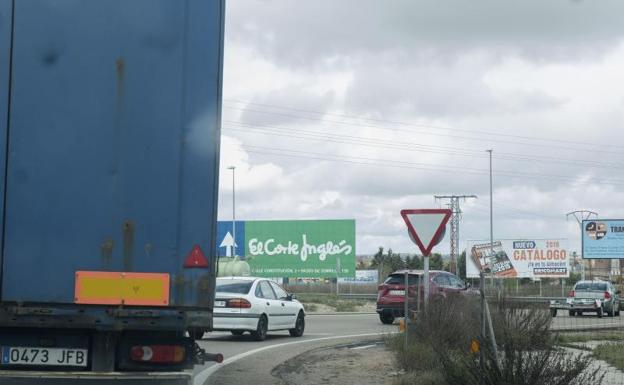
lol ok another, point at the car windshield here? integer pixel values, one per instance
(399, 279)
(234, 286)
(591, 286)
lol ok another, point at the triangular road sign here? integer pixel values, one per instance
(426, 226)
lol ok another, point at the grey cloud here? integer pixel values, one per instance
(307, 32)
(391, 87)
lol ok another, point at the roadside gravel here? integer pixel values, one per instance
(367, 363)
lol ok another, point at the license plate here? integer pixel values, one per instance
(19, 355)
(219, 303)
(397, 292)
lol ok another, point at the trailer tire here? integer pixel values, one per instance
(196, 333)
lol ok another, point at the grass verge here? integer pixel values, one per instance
(613, 353)
(311, 302)
(572, 337)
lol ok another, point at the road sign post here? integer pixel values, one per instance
(426, 228)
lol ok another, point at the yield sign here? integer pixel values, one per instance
(426, 226)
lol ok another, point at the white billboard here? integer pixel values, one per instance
(518, 258)
(362, 277)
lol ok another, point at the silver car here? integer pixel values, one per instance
(600, 297)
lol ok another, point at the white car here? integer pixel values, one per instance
(256, 305)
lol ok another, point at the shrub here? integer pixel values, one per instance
(440, 343)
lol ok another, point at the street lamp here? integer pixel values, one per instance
(233, 168)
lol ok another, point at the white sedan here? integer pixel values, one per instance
(256, 305)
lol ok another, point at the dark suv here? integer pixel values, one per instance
(391, 293)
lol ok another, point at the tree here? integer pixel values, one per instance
(414, 262)
(461, 265)
(378, 258)
(436, 262)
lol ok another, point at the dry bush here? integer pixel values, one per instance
(526, 350)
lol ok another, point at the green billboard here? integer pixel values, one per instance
(304, 249)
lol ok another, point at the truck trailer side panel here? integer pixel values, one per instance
(6, 12)
(113, 144)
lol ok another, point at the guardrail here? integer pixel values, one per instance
(341, 295)
(371, 296)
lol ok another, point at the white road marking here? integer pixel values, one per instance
(363, 347)
(202, 376)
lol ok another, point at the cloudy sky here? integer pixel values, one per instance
(360, 108)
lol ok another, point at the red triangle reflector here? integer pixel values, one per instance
(196, 258)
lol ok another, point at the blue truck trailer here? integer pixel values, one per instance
(109, 152)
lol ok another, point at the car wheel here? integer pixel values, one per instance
(386, 318)
(617, 312)
(196, 333)
(237, 332)
(579, 313)
(553, 312)
(571, 313)
(600, 312)
(261, 330)
(299, 326)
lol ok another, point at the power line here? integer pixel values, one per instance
(373, 142)
(407, 124)
(414, 165)
(517, 213)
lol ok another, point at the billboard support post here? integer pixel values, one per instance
(482, 342)
(233, 168)
(337, 274)
(405, 307)
(418, 293)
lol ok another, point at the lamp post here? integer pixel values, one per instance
(233, 168)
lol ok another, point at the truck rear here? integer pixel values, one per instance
(109, 151)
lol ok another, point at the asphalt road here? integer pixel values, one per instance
(320, 330)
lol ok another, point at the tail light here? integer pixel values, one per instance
(607, 295)
(571, 293)
(160, 354)
(238, 303)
